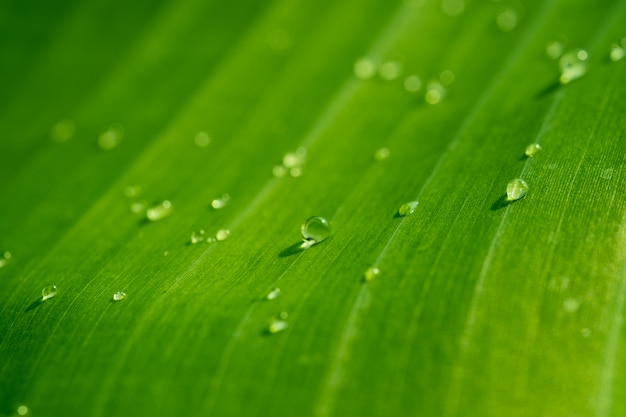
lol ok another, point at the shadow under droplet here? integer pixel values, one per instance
(549, 89)
(501, 202)
(35, 304)
(293, 249)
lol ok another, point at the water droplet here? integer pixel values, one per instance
(48, 292)
(138, 207)
(295, 172)
(62, 131)
(554, 49)
(364, 68)
(532, 149)
(607, 173)
(507, 20)
(132, 191)
(277, 326)
(295, 159)
(111, 137)
(371, 273)
(159, 211)
(222, 234)
(390, 70)
(408, 208)
(573, 65)
(381, 154)
(516, 189)
(283, 315)
(412, 84)
(435, 92)
(272, 295)
(453, 7)
(279, 171)
(219, 203)
(571, 305)
(211, 239)
(202, 139)
(22, 410)
(4, 259)
(446, 77)
(197, 237)
(315, 230)
(618, 50)
(118, 296)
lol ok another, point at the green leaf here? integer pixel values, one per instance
(481, 307)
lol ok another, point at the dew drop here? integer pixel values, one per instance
(118, 296)
(111, 137)
(381, 154)
(315, 230)
(618, 50)
(220, 202)
(138, 207)
(48, 292)
(22, 410)
(211, 239)
(364, 68)
(222, 235)
(516, 189)
(435, 92)
(272, 295)
(453, 7)
(132, 191)
(159, 211)
(507, 20)
(197, 237)
(571, 305)
(607, 174)
(408, 208)
(412, 83)
(277, 326)
(532, 150)
(554, 49)
(371, 273)
(62, 131)
(279, 171)
(295, 159)
(390, 70)
(295, 172)
(573, 65)
(202, 139)
(446, 77)
(4, 259)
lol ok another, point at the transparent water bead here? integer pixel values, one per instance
(22, 410)
(371, 273)
(573, 65)
(554, 49)
(364, 68)
(453, 7)
(571, 305)
(412, 83)
(507, 20)
(447, 77)
(132, 191)
(159, 211)
(315, 230)
(390, 70)
(532, 150)
(111, 137)
(48, 292)
(4, 259)
(382, 154)
(220, 202)
(138, 207)
(516, 189)
(408, 208)
(202, 139)
(279, 171)
(222, 235)
(118, 296)
(435, 92)
(295, 159)
(197, 237)
(272, 295)
(618, 50)
(62, 131)
(277, 326)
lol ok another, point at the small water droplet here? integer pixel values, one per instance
(4, 259)
(222, 235)
(62, 131)
(516, 189)
(532, 149)
(211, 239)
(408, 208)
(607, 173)
(279, 171)
(220, 202)
(315, 230)
(453, 7)
(295, 172)
(48, 292)
(573, 65)
(111, 137)
(197, 237)
(446, 77)
(390, 70)
(507, 20)
(371, 273)
(364, 68)
(277, 326)
(381, 154)
(132, 191)
(295, 159)
(202, 139)
(412, 83)
(272, 295)
(118, 296)
(618, 50)
(571, 305)
(138, 207)
(435, 92)
(22, 410)
(283, 315)
(159, 211)
(554, 49)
